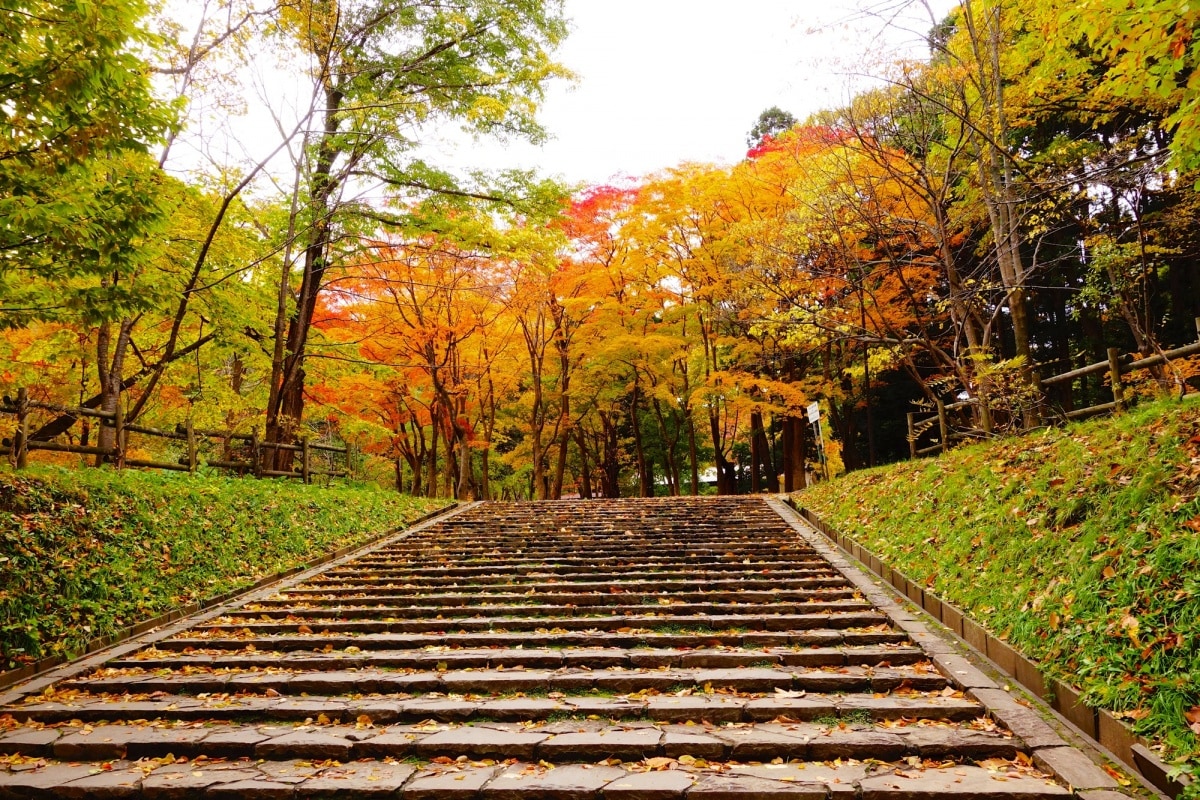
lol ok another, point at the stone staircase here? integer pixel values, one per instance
(708, 648)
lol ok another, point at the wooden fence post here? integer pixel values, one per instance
(943, 425)
(912, 436)
(305, 454)
(119, 425)
(256, 452)
(190, 430)
(1114, 373)
(20, 446)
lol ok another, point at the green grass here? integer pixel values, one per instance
(1080, 547)
(86, 553)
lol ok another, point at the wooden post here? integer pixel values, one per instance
(1114, 374)
(985, 413)
(305, 466)
(912, 436)
(1197, 321)
(119, 424)
(256, 453)
(349, 460)
(191, 445)
(789, 475)
(20, 448)
(943, 425)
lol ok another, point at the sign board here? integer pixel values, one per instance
(814, 412)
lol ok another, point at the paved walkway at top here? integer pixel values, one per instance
(706, 648)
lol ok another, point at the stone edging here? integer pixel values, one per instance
(1097, 725)
(14, 676)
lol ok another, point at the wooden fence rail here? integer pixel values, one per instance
(1117, 366)
(21, 444)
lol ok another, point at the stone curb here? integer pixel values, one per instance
(34, 678)
(1050, 752)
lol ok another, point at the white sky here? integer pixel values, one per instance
(661, 82)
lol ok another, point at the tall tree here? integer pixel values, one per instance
(381, 69)
(770, 123)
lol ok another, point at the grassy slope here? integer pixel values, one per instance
(1081, 547)
(84, 553)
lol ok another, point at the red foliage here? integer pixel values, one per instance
(810, 137)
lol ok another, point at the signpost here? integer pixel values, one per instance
(814, 419)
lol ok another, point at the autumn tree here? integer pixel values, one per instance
(380, 70)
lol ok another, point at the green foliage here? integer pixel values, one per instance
(78, 194)
(770, 122)
(86, 553)
(1152, 52)
(1080, 547)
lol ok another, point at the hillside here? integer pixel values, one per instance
(86, 553)
(1079, 546)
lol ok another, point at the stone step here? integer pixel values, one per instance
(418, 564)
(712, 622)
(552, 637)
(593, 587)
(464, 550)
(501, 545)
(921, 677)
(517, 577)
(561, 742)
(577, 599)
(658, 779)
(615, 581)
(66, 705)
(446, 658)
(535, 608)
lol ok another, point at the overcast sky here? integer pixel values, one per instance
(661, 82)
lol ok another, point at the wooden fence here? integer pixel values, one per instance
(253, 450)
(1117, 366)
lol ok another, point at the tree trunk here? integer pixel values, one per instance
(110, 366)
(585, 473)
(431, 466)
(755, 454)
(610, 473)
(671, 440)
(693, 460)
(726, 478)
(795, 477)
(285, 404)
(763, 458)
(645, 478)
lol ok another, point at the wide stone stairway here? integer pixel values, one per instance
(708, 648)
